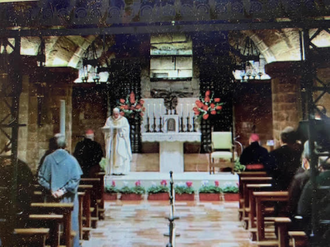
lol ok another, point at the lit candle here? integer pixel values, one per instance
(148, 110)
(181, 110)
(160, 109)
(154, 109)
(187, 109)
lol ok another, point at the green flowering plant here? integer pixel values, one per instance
(230, 188)
(155, 189)
(184, 188)
(239, 167)
(137, 189)
(209, 188)
(112, 189)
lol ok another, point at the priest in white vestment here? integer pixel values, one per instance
(117, 144)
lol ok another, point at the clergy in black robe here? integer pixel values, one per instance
(89, 154)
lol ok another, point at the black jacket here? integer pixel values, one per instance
(254, 154)
(89, 154)
(282, 166)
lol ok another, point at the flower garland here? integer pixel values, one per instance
(207, 105)
(131, 107)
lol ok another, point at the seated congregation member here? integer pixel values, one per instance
(296, 187)
(59, 175)
(322, 202)
(25, 188)
(254, 156)
(89, 154)
(284, 161)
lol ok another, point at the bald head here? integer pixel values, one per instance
(116, 113)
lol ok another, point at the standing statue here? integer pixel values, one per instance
(117, 144)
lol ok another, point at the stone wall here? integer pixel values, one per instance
(286, 96)
(253, 111)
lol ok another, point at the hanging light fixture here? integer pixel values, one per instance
(90, 64)
(251, 65)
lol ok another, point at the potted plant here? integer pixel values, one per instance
(209, 192)
(111, 192)
(230, 192)
(132, 193)
(239, 167)
(184, 192)
(158, 192)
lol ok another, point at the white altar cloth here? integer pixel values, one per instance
(171, 156)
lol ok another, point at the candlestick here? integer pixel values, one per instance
(188, 124)
(181, 124)
(194, 126)
(160, 124)
(148, 124)
(155, 125)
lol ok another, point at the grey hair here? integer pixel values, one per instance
(60, 140)
(116, 110)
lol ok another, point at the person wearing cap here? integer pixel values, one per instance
(89, 154)
(254, 156)
(117, 144)
(59, 175)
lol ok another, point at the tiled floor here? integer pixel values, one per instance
(143, 223)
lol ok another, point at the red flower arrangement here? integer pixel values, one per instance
(207, 106)
(131, 107)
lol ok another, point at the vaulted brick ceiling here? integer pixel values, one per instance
(274, 45)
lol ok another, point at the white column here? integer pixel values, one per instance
(62, 117)
(171, 157)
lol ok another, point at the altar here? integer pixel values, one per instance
(171, 155)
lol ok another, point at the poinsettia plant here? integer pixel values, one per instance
(209, 188)
(207, 106)
(184, 188)
(161, 188)
(131, 107)
(137, 189)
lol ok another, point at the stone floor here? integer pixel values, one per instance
(140, 224)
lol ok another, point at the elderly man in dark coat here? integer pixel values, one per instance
(285, 160)
(60, 175)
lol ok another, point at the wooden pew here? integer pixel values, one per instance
(248, 201)
(63, 209)
(30, 237)
(260, 199)
(87, 210)
(244, 182)
(81, 196)
(96, 195)
(240, 176)
(101, 198)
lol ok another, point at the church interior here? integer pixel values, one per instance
(183, 73)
